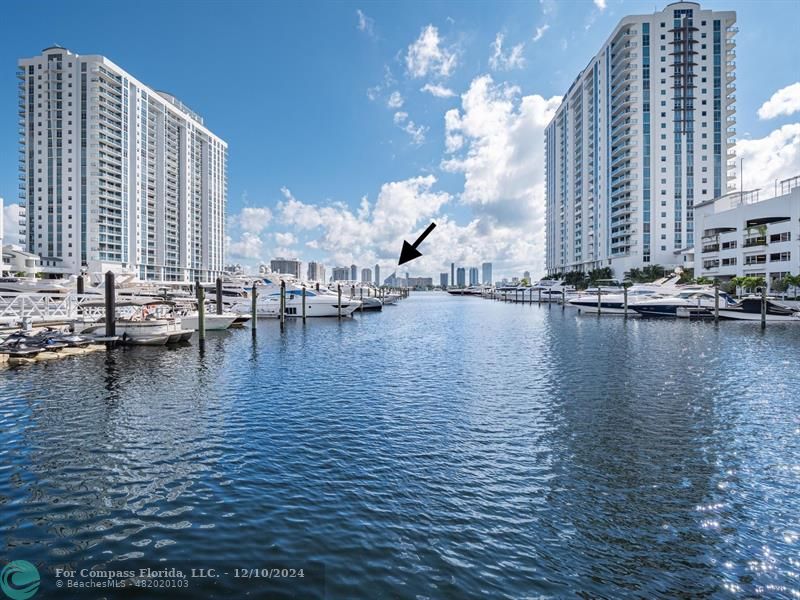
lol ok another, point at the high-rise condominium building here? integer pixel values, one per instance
(377, 275)
(366, 275)
(452, 273)
(644, 133)
(316, 271)
(443, 280)
(341, 273)
(487, 273)
(286, 266)
(353, 273)
(473, 276)
(115, 175)
(461, 280)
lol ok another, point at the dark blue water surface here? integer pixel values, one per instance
(444, 448)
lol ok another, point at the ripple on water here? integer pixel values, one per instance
(446, 447)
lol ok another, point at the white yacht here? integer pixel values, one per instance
(693, 301)
(749, 309)
(268, 301)
(612, 295)
(552, 290)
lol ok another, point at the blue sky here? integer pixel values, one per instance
(326, 163)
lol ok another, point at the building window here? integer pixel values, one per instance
(786, 236)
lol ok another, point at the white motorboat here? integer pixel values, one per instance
(695, 302)
(551, 290)
(213, 321)
(749, 309)
(145, 322)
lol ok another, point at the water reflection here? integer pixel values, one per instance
(446, 447)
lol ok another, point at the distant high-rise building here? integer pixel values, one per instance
(443, 280)
(487, 273)
(341, 273)
(419, 282)
(366, 275)
(527, 275)
(473, 276)
(286, 266)
(316, 271)
(452, 273)
(377, 275)
(461, 279)
(643, 134)
(353, 273)
(115, 175)
(391, 280)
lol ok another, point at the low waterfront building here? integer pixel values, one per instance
(286, 266)
(744, 236)
(419, 283)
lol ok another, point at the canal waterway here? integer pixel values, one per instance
(446, 447)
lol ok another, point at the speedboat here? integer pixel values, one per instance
(695, 302)
(749, 309)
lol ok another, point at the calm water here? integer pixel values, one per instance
(445, 448)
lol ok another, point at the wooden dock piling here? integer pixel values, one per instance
(201, 311)
(254, 300)
(283, 302)
(111, 305)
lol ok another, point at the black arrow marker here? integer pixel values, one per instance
(409, 251)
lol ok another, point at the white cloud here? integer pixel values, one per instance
(250, 247)
(548, 6)
(437, 90)
(496, 141)
(601, 4)
(417, 132)
(785, 101)
(775, 156)
(374, 92)
(500, 61)
(11, 224)
(395, 100)
(426, 56)
(373, 232)
(540, 31)
(285, 239)
(254, 219)
(365, 23)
